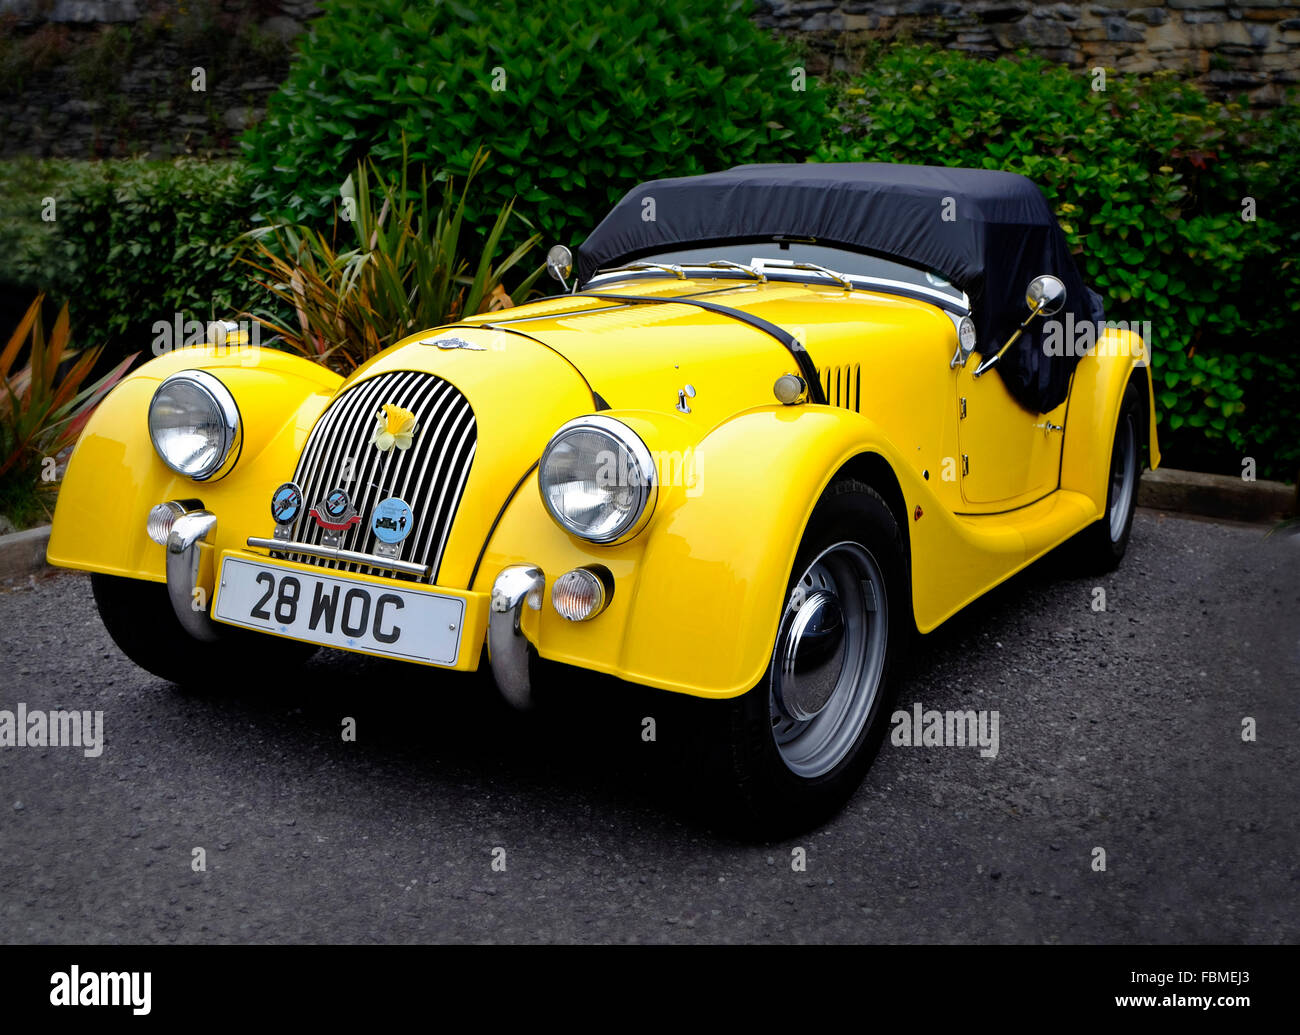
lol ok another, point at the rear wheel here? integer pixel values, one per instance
(796, 746)
(139, 617)
(1102, 546)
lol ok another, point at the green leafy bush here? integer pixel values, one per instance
(131, 242)
(1149, 179)
(577, 101)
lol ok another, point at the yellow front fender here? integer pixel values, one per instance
(699, 593)
(114, 476)
(715, 566)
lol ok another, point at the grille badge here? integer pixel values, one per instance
(335, 514)
(391, 522)
(286, 503)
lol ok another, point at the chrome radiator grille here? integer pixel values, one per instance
(430, 475)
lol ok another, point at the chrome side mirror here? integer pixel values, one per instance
(1044, 296)
(559, 264)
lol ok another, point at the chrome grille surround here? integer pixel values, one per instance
(430, 475)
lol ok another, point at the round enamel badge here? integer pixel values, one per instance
(337, 504)
(286, 503)
(391, 520)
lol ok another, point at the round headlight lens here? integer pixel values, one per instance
(597, 479)
(194, 425)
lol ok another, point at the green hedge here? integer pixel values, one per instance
(596, 96)
(1148, 178)
(132, 242)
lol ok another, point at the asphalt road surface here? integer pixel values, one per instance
(1120, 729)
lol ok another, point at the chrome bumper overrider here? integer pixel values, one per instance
(183, 556)
(518, 586)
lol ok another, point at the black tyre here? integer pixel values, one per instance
(139, 617)
(1101, 547)
(792, 750)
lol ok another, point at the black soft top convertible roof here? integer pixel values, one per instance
(988, 232)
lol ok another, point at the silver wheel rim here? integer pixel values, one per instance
(829, 659)
(1123, 470)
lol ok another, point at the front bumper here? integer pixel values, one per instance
(192, 574)
(194, 568)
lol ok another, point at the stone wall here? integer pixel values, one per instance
(101, 78)
(116, 78)
(1250, 49)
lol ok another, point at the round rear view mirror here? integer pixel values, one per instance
(1045, 295)
(559, 262)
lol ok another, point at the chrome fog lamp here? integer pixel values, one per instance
(597, 480)
(194, 425)
(580, 595)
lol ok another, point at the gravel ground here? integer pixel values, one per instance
(1118, 729)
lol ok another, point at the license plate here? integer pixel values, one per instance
(340, 612)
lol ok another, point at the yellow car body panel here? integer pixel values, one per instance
(698, 591)
(114, 476)
(1009, 457)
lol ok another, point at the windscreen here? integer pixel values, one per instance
(841, 260)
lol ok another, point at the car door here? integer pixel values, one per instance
(1009, 456)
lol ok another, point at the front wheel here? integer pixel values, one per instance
(797, 745)
(139, 617)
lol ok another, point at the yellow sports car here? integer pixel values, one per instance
(779, 420)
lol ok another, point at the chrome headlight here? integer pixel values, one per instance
(597, 479)
(194, 424)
